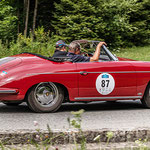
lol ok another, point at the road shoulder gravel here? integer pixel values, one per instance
(68, 136)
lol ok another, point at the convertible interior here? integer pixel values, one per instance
(87, 49)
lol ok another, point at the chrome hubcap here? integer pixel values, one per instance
(46, 94)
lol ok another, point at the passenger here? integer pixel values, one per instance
(74, 53)
(61, 50)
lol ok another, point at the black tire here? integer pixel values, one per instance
(45, 97)
(146, 98)
(12, 103)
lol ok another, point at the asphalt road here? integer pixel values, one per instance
(121, 115)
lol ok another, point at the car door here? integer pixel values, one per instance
(106, 79)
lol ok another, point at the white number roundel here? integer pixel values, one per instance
(105, 83)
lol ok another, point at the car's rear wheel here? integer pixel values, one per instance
(146, 98)
(45, 97)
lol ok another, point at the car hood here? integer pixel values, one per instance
(9, 62)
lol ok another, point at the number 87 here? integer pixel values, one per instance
(105, 83)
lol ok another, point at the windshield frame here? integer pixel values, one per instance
(110, 55)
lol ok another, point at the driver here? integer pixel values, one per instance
(74, 53)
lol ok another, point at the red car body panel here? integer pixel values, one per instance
(34, 70)
(125, 59)
(27, 70)
(116, 69)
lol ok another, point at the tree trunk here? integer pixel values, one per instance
(27, 18)
(24, 10)
(18, 15)
(34, 17)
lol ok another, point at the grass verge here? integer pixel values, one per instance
(136, 53)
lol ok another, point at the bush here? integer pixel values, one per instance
(8, 27)
(40, 44)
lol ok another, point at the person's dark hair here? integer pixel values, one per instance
(73, 46)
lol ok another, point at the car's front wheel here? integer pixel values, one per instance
(146, 98)
(45, 97)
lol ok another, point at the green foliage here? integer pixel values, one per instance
(7, 21)
(142, 144)
(115, 21)
(3, 49)
(121, 23)
(109, 135)
(76, 124)
(116, 16)
(75, 20)
(140, 19)
(41, 44)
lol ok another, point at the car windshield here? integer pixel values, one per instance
(103, 55)
(89, 47)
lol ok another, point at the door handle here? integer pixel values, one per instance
(83, 73)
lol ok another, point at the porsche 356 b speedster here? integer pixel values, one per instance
(45, 83)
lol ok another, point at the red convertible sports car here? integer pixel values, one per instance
(44, 83)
